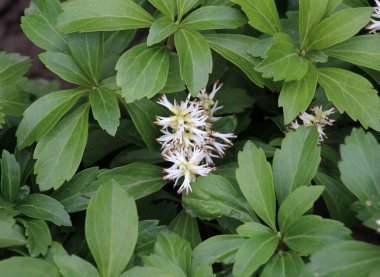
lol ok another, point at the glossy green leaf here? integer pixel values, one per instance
(31, 267)
(187, 227)
(38, 25)
(146, 271)
(87, 52)
(11, 234)
(160, 30)
(194, 58)
(71, 194)
(296, 204)
(174, 83)
(282, 61)
(13, 66)
(310, 233)
(359, 50)
(111, 228)
(214, 17)
(332, 6)
(142, 72)
(163, 265)
(255, 179)
(359, 166)
(335, 29)
(221, 248)
(296, 96)
(311, 12)
(39, 238)
(10, 176)
(297, 162)
(253, 253)
(44, 207)
(143, 114)
(68, 140)
(234, 47)
(65, 67)
(262, 15)
(353, 94)
(98, 15)
(137, 179)
(348, 258)
(43, 115)
(167, 7)
(105, 109)
(252, 229)
(214, 196)
(183, 6)
(284, 264)
(74, 266)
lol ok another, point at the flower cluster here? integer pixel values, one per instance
(320, 119)
(375, 25)
(188, 140)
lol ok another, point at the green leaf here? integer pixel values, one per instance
(39, 238)
(284, 264)
(359, 50)
(174, 82)
(311, 12)
(68, 140)
(146, 271)
(348, 258)
(221, 248)
(296, 96)
(164, 265)
(40, 117)
(13, 66)
(359, 166)
(167, 7)
(335, 29)
(332, 5)
(160, 30)
(74, 266)
(214, 196)
(99, 15)
(25, 266)
(251, 229)
(143, 114)
(11, 234)
(13, 99)
(183, 6)
(195, 59)
(173, 247)
(148, 231)
(234, 47)
(87, 51)
(281, 60)
(353, 94)
(337, 197)
(70, 194)
(310, 233)
(38, 25)
(105, 109)
(44, 207)
(65, 67)
(214, 17)
(187, 227)
(233, 100)
(142, 72)
(137, 179)
(10, 176)
(111, 228)
(255, 179)
(296, 204)
(253, 253)
(262, 15)
(297, 162)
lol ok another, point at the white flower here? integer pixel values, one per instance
(188, 140)
(186, 165)
(320, 119)
(375, 25)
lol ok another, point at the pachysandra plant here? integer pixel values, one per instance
(277, 169)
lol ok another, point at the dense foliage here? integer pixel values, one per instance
(279, 168)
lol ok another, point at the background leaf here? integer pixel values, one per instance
(187, 227)
(39, 238)
(10, 176)
(31, 267)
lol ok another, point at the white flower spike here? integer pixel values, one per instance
(188, 140)
(375, 25)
